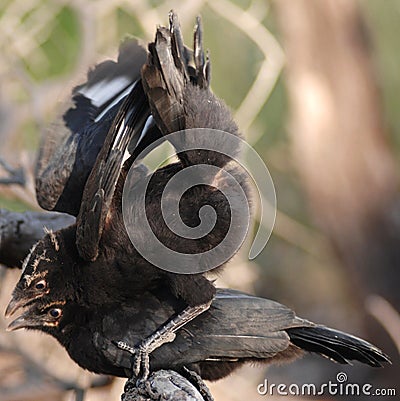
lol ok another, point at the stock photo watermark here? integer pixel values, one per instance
(341, 386)
(226, 165)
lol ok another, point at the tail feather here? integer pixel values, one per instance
(168, 73)
(336, 345)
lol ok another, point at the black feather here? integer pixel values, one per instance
(336, 345)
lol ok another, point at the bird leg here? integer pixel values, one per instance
(162, 335)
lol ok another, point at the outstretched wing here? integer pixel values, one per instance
(127, 129)
(70, 149)
(130, 128)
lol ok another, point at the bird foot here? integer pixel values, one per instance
(165, 334)
(141, 353)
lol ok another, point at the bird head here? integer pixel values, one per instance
(43, 272)
(41, 316)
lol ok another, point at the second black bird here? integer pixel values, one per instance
(238, 328)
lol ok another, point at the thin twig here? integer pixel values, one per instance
(386, 315)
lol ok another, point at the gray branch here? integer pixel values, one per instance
(15, 175)
(165, 385)
(19, 231)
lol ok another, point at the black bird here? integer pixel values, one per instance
(93, 262)
(238, 328)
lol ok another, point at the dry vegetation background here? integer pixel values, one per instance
(314, 86)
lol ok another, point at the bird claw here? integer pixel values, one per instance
(141, 353)
(165, 334)
(140, 359)
(141, 364)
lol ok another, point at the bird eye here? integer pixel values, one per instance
(55, 313)
(41, 285)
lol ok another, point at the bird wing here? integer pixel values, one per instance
(163, 79)
(168, 71)
(240, 327)
(71, 145)
(237, 326)
(126, 129)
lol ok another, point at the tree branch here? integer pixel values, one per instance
(165, 385)
(19, 231)
(16, 176)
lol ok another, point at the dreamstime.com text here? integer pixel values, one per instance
(339, 387)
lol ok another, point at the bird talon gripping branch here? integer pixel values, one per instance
(165, 334)
(141, 360)
(141, 365)
(141, 353)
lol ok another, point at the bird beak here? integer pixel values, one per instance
(21, 322)
(13, 306)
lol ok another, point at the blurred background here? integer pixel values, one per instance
(314, 85)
